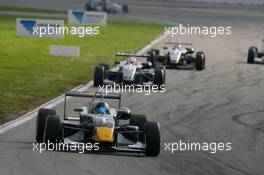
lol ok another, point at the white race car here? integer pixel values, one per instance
(106, 6)
(177, 57)
(131, 72)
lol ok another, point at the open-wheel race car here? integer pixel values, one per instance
(131, 72)
(177, 57)
(115, 130)
(255, 56)
(106, 6)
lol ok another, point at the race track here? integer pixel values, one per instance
(224, 103)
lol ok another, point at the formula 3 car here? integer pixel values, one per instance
(255, 56)
(106, 6)
(98, 123)
(131, 72)
(177, 57)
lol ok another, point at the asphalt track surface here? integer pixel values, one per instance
(224, 103)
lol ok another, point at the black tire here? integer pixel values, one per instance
(41, 122)
(88, 6)
(139, 120)
(155, 51)
(200, 61)
(153, 55)
(159, 77)
(152, 139)
(99, 74)
(252, 53)
(125, 9)
(106, 66)
(164, 72)
(52, 132)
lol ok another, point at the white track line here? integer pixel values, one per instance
(52, 103)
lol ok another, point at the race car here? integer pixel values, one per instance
(106, 6)
(177, 57)
(96, 122)
(254, 56)
(131, 72)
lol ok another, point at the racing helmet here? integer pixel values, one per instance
(101, 108)
(131, 60)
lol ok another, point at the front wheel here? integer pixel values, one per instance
(53, 132)
(159, 77)
(200, 61)
(152, 139)
(41, 122)
(252, 52)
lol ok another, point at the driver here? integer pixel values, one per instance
(132, 61)
(102, 108)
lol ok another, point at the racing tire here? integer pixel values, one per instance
(106, 66)
(52, 132)
(125, 9)
(159, 77)
(41, 122)
(99, 76)
(252, 53)
(155, 51)
(152, 132)
(139, 120)
(88, 6)
(200, 61)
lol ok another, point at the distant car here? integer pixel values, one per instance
(106, 6)
(255, 56)
(131, 72)
(96, 122)
(177, 57)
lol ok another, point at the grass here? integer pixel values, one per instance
(29, 76)
(28, 9)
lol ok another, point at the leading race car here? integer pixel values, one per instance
(177, 57)
(255, 56)
(131, 72)
(106, 6)
(98, 123)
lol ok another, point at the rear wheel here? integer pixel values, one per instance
(200, 61)
(52, 131)
(99, 76)
(41, 121)
(152, 139)
(125, 8)
(252, 53)
(106, 66)
(139, 120)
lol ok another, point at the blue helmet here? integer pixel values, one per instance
(102, 108)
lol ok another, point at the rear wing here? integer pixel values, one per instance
(131, 54)
(178, 43)
(93, 95)
(114, 96)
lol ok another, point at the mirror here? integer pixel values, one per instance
(77, 109)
